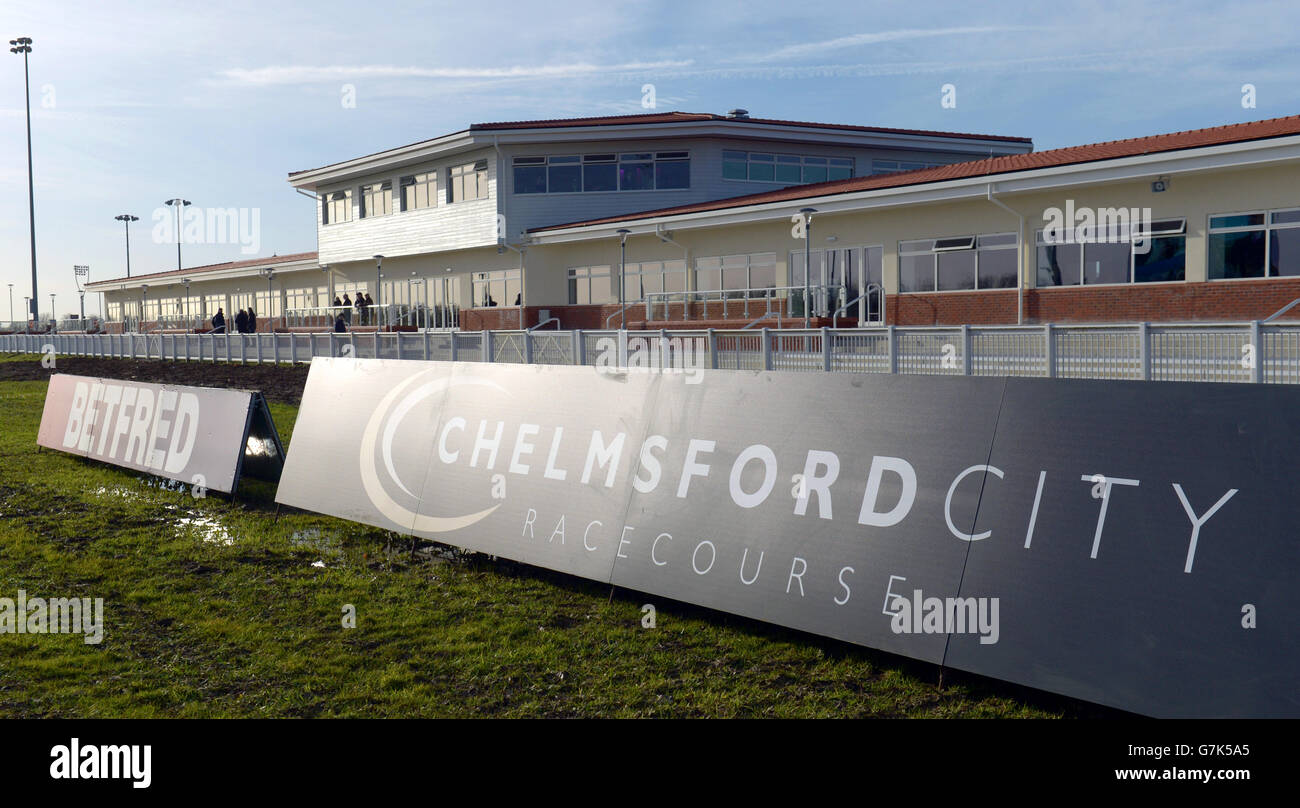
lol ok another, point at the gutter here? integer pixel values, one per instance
(1020, 255)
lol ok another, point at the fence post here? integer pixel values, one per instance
(967, 362)
(893, 348)
(485, 344)
(766, 336)
(376, 343)
(293, 349)
(1144, 350)
(352, 341)
(713, 349)
(1049, 348)
(398, 336)
(453, 345)
(1257, 340)
(579, 347)
(426, 344)
(528, 347)
(826, 349)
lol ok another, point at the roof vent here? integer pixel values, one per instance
(737, 113)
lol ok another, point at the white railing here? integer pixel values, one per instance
(400, 315)
(776, 302)
(1220, 352)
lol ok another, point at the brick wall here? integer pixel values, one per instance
(1155, 302)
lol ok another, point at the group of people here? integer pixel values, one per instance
(343, 308)
(245, 322)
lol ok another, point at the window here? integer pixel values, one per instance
(591, 285)
(499, 288)
(593, 173)
(1093, 263)
(467, 182)
(652, 277)
(738, 275)
(785, 169)
(1254, 245)
(954, 264)
(894, 166)
(376, 199)
(337, 207)
(419, 190)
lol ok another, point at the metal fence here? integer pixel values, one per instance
(1233, 352)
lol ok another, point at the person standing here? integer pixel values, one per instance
(219, 322)
(347, 309)
(370, 309)
(252, 321)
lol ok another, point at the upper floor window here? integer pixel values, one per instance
(418, 190)
(894, 166)
(787, 169)
(468, 181)
(376, 199)
(336, 207)
(1254, 245)
(590, 173)
(952, 264)
(1118, 254)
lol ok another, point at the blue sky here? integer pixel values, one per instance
(217, 102)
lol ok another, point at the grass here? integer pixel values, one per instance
(202, 628)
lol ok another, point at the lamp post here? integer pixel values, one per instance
(27, 308)
(11, 303)
(807, 263)
(23, 45)
(179, 204)
(54, 318)
(623, 233)
(144, 302)
(379, 276)
(185, 304)
(79, 272)
(269, 274)
(126, 220)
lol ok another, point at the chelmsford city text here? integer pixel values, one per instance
(485, 446)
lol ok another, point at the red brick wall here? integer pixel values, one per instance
(1155, 302)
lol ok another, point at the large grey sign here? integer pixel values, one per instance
(1126, 543)
(198, 435)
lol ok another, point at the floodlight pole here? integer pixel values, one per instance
(23, 45)
(623, 233)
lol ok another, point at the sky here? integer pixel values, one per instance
(134, 104)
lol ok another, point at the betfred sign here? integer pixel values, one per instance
(1125, 543)
(197, 435)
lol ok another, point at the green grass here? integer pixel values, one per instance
(198, 628)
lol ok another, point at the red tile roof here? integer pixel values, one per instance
(686, 117)
(1109, 150)
(273, 261)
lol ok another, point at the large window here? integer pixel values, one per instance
(1074, 262)
(651, 277)
(468, 181)
(419, 190)
(737, 273)
(954, 264)
(337, 207)
(499, 288)
(592, 173)
(1264, 244)
(589, 285)
(376, 199)
(785, 169)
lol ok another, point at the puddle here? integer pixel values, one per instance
(207, 528)
(318, 563)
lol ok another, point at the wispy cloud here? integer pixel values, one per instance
(307, 74)
(874, 38)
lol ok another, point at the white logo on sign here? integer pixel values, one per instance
(388, 415)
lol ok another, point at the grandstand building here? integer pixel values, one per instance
(678, 220)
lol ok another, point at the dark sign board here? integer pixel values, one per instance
(1125, 543)
(198, 435)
